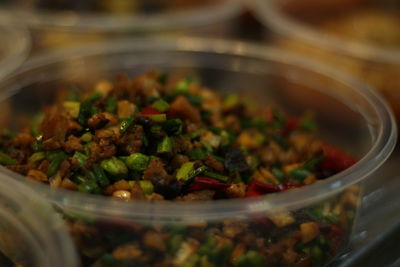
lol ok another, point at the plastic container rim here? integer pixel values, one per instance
(270, 14)
(91, 21)
(19, 193)
(16, 40)
(381, 149)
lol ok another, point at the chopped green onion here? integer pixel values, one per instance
(81, 158)
(89, 187)
(72, 108)
(56, 158)
(299, 174)
(85, 112)
(230, 101)
(216, 176)
(194, 99)
(114, 166)
(163, 78)
(158, 117)
(308, 124)
(227, 138)
(111, 105)
(278, 174)
(250, 259)
(38, 144)
(137, 161)
(184, 171)
(38, 156)
(281, 141)
(146, 186)
(125, 124)
(318, 255)
(101, 177)
(196, 172)
(313, 163)
(182, 87)
(165, 146)
(93, 97)
(161, 105)
(6, 159)
(198, 153)
(87, 137)
(172, 127)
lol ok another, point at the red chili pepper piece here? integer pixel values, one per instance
(291, 124)
(201, 183)
(149, 111)
(335, 160)
(257, 188)
(336, 236)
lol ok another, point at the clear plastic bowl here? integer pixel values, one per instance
(31, 233)
(350, 115)
(14, 45)
(297, 26)
(55, 28)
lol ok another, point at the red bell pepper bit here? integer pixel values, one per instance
(336, 236)
(291, 125)
(149, 111)
(202, 183)
(335, 160)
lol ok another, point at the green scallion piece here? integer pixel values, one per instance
(158, 117)
(185, 170)
(36, 157)
(216, 176)
(93, 97)
(299, 174)
(161, 105)
(312, 163)
(101, 176)
(197, 172)
(251, 258)
(125, 124)
(165, 146)
(137, 161)
(198, 153)
(56, 159)
(172, 127)
(111, 105)
(278, 174)
(114, 166)
(87, 137)
(81, 158)
(195, 99)
(147, 187)
(308, 124)
(182, 87)
(6, 159)
(72, 108)
(85, 112)
(163, 78)
(89, 186)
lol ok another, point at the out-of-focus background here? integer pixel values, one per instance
(359, 37)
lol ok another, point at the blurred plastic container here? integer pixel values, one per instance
(57, 24)
(31, 233)
(359, 36)
(14, 45)
(108, 231)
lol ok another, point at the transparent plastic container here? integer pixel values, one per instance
(353, 35)
(14, 45)
(58, 24)
(31, 233)
(350, 115)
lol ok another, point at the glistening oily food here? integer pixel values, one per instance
(156, 137)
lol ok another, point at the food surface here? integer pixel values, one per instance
(159, 137)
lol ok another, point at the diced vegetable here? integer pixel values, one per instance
(172, 127)
(111, 105)
(184, 171)
(160, 105)
(72, 108)
(125, 124)
(6, 159)
(114, 166)
(146, 186)
(165, 146)
(137, 161)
